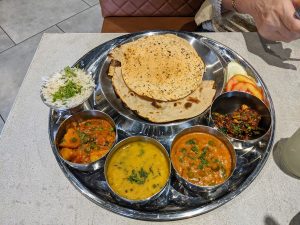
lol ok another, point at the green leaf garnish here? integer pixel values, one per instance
(138, 177)
(69, 72)
(69, 90)
(191, 142)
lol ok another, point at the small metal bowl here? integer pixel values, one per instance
(63, 110)
(79, 117)
(196, 189)
(230, 101)
(80, 106)
(163, 191)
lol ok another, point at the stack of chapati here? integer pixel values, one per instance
(160, 78)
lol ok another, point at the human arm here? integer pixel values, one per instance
(274, 19)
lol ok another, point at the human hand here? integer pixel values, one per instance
(274, 19)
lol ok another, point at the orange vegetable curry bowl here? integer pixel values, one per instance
(84, 139)
(203, 158)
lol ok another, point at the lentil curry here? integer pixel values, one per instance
(138, 170)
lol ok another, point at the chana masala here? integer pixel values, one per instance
(201, 159)
(87, 141)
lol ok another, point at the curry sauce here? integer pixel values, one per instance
(138, 170)
(202, 159)
(87, 141)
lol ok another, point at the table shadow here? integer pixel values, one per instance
(277, 155)
(295, 220)
(270, 220)
(273, 53)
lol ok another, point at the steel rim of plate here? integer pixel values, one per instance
(88, 60)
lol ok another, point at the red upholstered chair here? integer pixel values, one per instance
(138, 15)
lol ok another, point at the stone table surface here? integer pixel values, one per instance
(34, 190)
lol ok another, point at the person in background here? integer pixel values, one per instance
(275, 20)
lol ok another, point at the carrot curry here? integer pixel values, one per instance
(201, 159)
(87, 141)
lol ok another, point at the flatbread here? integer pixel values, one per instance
(162, 112)
(161, 67)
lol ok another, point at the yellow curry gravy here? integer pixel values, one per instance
(202, 159)
(137, 170)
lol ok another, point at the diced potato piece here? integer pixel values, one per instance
(95, 155)
(71, 139)
(66, 153)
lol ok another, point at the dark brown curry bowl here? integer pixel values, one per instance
(228, 102)
(195, 188)
(162, 192)
(80, 117)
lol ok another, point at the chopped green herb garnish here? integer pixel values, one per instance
(204, 151)
(138, 177)
(69, 90)
(87, 150)
(84, 138)
(236, 129)
(142, 151)
(195, 148)
(69, 72)
(93, 145)
(223, 130)
(191, 142)
(73, 139)
(183, 150)
(204, 162)
(211, 143)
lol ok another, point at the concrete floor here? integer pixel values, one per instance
(22, 24)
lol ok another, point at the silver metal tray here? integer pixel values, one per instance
(178, 203)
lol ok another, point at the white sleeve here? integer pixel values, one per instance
(217, 9)
(210, 10)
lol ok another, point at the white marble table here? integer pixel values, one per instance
(33, 189)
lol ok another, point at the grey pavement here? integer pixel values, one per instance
(22, 24)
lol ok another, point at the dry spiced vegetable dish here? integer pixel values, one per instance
(201, 159)
(87, 141)
(242, 123)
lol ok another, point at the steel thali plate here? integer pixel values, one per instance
(178, 203)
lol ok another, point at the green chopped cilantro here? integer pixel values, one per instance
(195, 148)
(191, 142)
(211, 143)
(183, 150)
(204, 162)
(138, 177)
(73, 139)
(142, 151)
(69, 72)
(69, 90)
